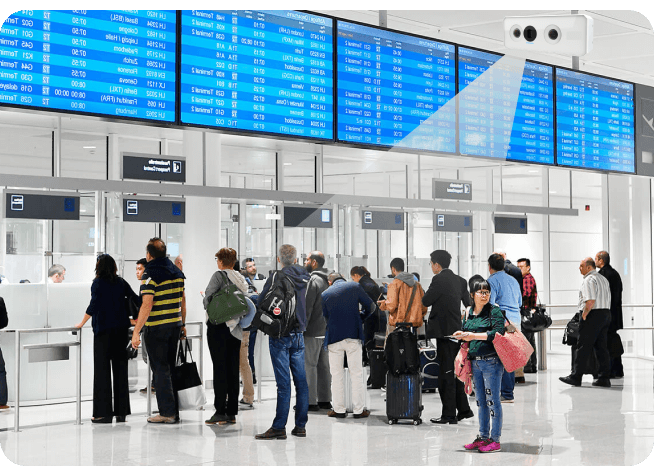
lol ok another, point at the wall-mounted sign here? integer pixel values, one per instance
(153, 210)
(448, 221)
(452, 189)
(307, 217)
(383, 220)
(42, 206)
(511, 225)
(137, 166)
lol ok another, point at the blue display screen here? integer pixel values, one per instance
(117, 63)
(265, 71)
(393, 89)
(595, 122)
(502, 118)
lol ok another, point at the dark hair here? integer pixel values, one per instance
(360, 270)
(590, 262)
(523, 259)
(318, 257)
(236, 265)
(605, 257)
(246, 260)
(106, 267)
(441, 257)
(142, 262)
(418, 277)
(398, 264)
(496, 262)
(156, 248)
(227, 256)
(477, 282)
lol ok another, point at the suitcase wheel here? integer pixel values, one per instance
(417, 421)
(393, 421)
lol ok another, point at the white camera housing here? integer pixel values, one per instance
(571, 35)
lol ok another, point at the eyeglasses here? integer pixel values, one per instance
(483, 293)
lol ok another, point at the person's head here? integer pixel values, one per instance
(502, 253)
(439, 260)
(315, 260)
(250, 267)
(496, 263)
(236, 265)
(480, 290)
(587, 265)
(397, 265)
(602, 259)
(226, 258)
(156, 249)
(287, 255)
(179, 262)
(333, 277)
(417, 276)
(57, 273)
(106, 267)
(140, 268)
(524, 265)
(359, 271)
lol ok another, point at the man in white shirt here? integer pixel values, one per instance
(56, 273)
(594, 306)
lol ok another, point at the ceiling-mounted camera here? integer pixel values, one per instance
(566, 34)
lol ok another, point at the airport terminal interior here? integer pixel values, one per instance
(368, 135)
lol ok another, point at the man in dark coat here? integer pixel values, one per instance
(616, 309)
(446, 294)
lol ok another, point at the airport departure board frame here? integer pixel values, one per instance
(359, 115)
(150, 75)
(634, 126)
(290, 93)
(512, 111)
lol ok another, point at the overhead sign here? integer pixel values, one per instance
(511, 225)
(307, 217)
(153, 167)
(448, 221)
(452, 189)
(383, 220)
(42, 206)
(153, 210)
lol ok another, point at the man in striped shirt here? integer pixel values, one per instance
(594, 305)
(163, 312)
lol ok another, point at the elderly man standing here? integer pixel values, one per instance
(616, 309)
(344, 336)
(594, 304)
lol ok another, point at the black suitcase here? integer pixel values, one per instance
(429, 367)
(378, 375)
(404, 398)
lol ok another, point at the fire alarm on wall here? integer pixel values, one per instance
(587, 208)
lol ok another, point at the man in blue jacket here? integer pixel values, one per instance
(344, 335)
(288, 354)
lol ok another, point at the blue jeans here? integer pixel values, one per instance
(487, 376)
(3, 381)
(289, 353)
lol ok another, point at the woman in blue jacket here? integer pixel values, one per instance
(110, 321)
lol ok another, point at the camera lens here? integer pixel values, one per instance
(530, 34)
(516, 32)
(553, 34)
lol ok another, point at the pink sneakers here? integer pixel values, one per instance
(489, 446)
(477, 443)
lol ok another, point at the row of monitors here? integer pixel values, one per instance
(302, 75)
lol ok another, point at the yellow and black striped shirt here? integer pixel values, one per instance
(167, 301)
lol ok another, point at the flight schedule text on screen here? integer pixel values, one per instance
(395, 89)
(595, 122)
(505, 108)
(115, 63)
(265, 71)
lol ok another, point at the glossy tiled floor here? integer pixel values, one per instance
(550, 423)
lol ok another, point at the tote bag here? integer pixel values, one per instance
(463, 369)
(513, 348)
(186, 380)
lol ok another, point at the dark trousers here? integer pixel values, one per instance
(532, 362)
(376, 322)
(251, 351)
(451, 389)
(593, 337)
(3, 381)
(162, 351)
(110, 358)
(224, 350)
(616, 364)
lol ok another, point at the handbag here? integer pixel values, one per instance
(572, 331)
(186, 380)
(227, 303)
(463, 369)
(514, 350)
(536, 321)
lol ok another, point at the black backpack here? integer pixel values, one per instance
(4, 319)
(276, 311)
(401, 351)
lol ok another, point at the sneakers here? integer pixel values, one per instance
(477, 443)
(159, 419)
(506, 400)
(569, 379)
(243, 404)
(299, 432)
(333, 413)
(601, 382)
(271, 434)
(363, 414)
(489, 446)
(221, 419)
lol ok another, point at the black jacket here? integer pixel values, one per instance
(514, 271)
(446, 293)
(108, 308)
(616, 289)
(372, 289)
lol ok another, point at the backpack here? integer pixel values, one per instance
(401, 351)
(4, 319)
(276, 311)
(227, 303)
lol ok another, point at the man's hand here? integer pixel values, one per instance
(585, 313)
(183, 333)
(136, 340)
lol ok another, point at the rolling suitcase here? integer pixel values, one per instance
(404, 398)
(378, 376)
(347, 390)
(429, 367)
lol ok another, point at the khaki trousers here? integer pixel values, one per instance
(244, 370)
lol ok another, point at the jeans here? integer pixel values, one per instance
(288, 353)
(487, 376)
(162, 351)
(352, 348)
(3, 381)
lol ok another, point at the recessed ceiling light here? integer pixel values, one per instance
(88, 147)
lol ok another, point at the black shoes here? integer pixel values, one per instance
(519, 379)
(120, 418)
(444, 420)
(299, 432)
(102, 420)
(272, 434)
(461, 417)
(325, 405)
(569, 379)
(530, 370)
(602, 382)
(313, 408)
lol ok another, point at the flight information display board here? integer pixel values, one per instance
(265, 71)
(393, 89)
(116, 63)
(595, 122)
(490, 125)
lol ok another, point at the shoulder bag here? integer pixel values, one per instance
(463, 369)
(536, 321)
(514, 350)
(227, 303)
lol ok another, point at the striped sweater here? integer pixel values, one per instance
(165, 283)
